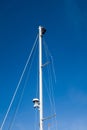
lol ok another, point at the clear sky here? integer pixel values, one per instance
(66, 36)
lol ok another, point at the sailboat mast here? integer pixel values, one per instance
(40, 78)
(41, 32)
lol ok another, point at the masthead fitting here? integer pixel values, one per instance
(43, 30)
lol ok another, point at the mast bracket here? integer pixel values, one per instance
(45, 64)
(46, 118)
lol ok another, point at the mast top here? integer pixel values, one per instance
(42, 30)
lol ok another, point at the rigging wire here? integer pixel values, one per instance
(51, 89)
(53, 68)
(45, 84)
(21, 96)
(50, 77)
(51, 57)
(48, 89)
(48, 54)
(18, 84)
(52, 94)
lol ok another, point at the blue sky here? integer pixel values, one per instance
(66, 36)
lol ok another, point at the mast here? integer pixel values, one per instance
(38, 103)
(41, 32)
(40, 78)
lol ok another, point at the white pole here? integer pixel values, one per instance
(40, 78)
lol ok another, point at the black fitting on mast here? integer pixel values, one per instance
(43, 30)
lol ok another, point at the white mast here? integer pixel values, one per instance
(38, 103)
(40, 78)
(41, 32)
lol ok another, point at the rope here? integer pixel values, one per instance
(18, 84)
